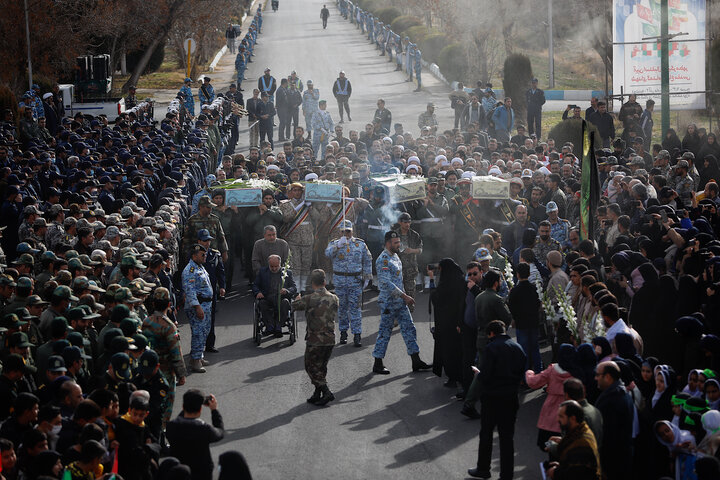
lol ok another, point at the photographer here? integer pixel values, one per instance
(190, 437)
(576, 112)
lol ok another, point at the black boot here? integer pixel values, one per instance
(417, 364)
(315, 396)
(327, 396)
(378, 367)
(356, 340)
(343, 337)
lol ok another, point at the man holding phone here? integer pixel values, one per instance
(576, 112)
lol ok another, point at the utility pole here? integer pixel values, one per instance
(664, 67)
(551, 53)
(27, 38)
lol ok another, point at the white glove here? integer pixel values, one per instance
(342, 241)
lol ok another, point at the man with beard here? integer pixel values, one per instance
(466, 211)
(576, 450)
(394, 303)
(545, 243)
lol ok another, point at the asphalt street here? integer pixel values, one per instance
(403, 425)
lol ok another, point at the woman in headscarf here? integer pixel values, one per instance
(46, 464)
(625, 346)
(711, 423)
(644, 310)
(233, 466)
(603, 349)
(712, 393)
(691, 140)
(646, 382)
(661, 401)
(587, 361)
(710, 170)
(553, 377)
(671, 141)
(448, 303)
(693, 387)
(664, 322)
(688, 296)
(679, 444)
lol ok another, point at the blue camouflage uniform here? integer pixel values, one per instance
(189, 100)
(206, 98)
(417, 65)
(352, 262)
(392, 306)
(198, 291)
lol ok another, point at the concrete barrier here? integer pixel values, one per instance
(570, 95)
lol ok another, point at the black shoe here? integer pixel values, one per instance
(476, 473)
(343, 337)
(341, 121)
(327, 396)
(211, 350)
(356, 340)
(315, 396)
(278, 334)
(417, 364)
(378, 367)
(349, 119)
(470, 412)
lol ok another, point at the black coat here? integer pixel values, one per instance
(503, 367)
(448, 301)
(524, 305)
(190, 441)
(616, 408)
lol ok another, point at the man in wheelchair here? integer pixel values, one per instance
(273, 288)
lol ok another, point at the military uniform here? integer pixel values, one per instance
(54, 235)
(196, 223)
(392, 306)
(189, 101)
(164, 338)
(322, 125)
(321, 307)
(198, 291)
(206, 94)
(300, 238)
(352, 262)
(427, 119)
(216, 271)
(409, 260)
(541, 249)
(433, 219)
(467, 215)
(160, 401)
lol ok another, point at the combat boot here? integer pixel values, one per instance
(315, 396)
(417, 364)
(356, 340)
(343, 337)
(327, 396)
(197, 366)
(378, 367)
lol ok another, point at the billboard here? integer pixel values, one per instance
(636, 66)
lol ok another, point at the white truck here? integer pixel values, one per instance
(90, 94)
(111, 107)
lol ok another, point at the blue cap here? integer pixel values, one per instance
(204, 235)
(188, 79)
(346, 225)
(551, 207)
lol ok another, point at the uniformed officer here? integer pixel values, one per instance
(206, 92)
(198, 304)
(351, 262)
(131, 100)
(164, 339)
(411, 245)
(299, 232)
(150, 378)
(393, 303)
(342, 91)
(433, 217)
(322, 126)
(189, 101)
(321, 307)
(376, 222)
(216, 271)
(205, 219)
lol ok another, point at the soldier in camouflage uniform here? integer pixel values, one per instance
(299, 232)
(55, 231)
(204, 219)
(321, 308)
(411, 245)
(682, 183)
(30, 213)
(150, 378)
(164, 338)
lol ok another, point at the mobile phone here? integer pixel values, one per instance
(663, 216)
(208, 398)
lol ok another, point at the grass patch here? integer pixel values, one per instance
(170, 75)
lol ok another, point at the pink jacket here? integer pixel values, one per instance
(553, 377)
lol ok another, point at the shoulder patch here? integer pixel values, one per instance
(192, 269)
(385, 262)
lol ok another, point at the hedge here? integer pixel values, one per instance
(417, 33)
(452, 62)
(570, 130)
(387, 14)
(517, 73)
(432, 47)
(403, 23)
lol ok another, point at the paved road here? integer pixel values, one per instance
(405, 425)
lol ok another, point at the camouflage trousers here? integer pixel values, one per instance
(170, 399)
(316, 361)
(389, 314)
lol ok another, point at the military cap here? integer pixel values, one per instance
(156, 260)
(483, 255)
(34, 300)
(404, 217)
(131, 261)
(296, 185)
(56, 364)
(140, 341)
(128, 326)
(390, 235)
(70, 222)
(56, 209)
(206, 202)
(346, 225)
(74, 263)
(14, 363)
(24, 314)
(204, 235)
(24, 282)
(148, 361)
(64, 293)
(637, 160)
(19, 340)
(161, 293)
(141, 287)
(63, 277)
(120, 363)
(11, 320)
(197, 248)
(25, 259)
(72, 354)
(75, 313)
(39, 222)
(124, 295)
(7, 281)
(80, 283)
(31, 210)
(683, 164)
(432, 180)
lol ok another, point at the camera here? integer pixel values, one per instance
(432, 267)
(208, 399)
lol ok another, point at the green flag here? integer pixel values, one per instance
(590, 188)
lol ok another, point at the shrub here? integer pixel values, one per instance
(570, 130)
(517, 73)
(417, 34)
(433, 45)
(368, 5)
(403, 23)
(387, 14)
(452, 62)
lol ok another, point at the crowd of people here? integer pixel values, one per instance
(109, 230)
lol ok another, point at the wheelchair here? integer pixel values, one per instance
(259, 325)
